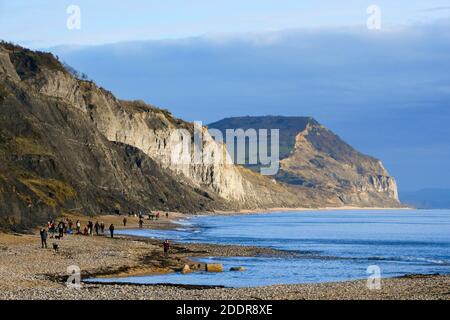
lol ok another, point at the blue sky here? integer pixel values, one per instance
(385, 92)
(42, 23)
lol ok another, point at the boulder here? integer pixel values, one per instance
(185, 269)
(213, 267)
(237, 269)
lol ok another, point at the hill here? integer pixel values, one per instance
(67, 145)
(314, 158)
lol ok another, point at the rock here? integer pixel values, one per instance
(213, 267)
(237, 269)
(185, 269)
(317, 159)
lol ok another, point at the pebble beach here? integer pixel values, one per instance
(29, 272)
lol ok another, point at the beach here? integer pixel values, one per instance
(29, 272)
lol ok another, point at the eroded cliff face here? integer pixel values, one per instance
(149, 129)
(54, 158)
(318, 167)
(67, 144)
(164, 142)
(322, 160)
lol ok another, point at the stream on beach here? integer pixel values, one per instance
(332, 245)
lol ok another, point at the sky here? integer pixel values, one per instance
(386, 91)
(42, 23)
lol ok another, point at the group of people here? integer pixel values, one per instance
(66, 226)
(152, 216)
(62, 227)
(89, 229)
(155, 216)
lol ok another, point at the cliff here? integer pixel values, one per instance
(55, 157)
(316, 162)
(68, 145)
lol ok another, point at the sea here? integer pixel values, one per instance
(325, 246)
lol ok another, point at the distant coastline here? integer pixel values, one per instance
(267, 210)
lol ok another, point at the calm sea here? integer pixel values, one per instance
(332, 245)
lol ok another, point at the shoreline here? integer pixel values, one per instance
(301, 209)
(29, 272)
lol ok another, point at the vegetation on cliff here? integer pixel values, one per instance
(67, 145)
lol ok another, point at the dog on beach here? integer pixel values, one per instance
(55, 247)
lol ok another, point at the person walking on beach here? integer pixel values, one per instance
(90, 228)
(111, 230)
(125, 221)
(166, 246)
(97, 228)
(78, 227)
(52, 228)
(44, 235)
(61, 229)
(102, 227)
(141, 223)
(65, 225)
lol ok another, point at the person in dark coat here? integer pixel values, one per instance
(90, 228)
(97, 228)
(166, 247)
(61, 229)
(111, 230)
(44, 236)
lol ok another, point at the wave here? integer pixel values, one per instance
(183, 222)
(411, 259)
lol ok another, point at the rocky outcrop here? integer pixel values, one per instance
(320, 168)
(322, 159)
(134, 124)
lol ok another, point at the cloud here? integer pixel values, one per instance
(380, 90)
(442, 8)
